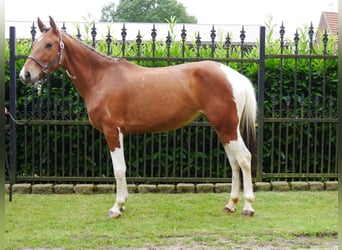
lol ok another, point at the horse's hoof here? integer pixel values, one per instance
(229, 210)
(247, 213)
(112, 214)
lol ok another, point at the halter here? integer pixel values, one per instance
(59, 57)
(45, 67)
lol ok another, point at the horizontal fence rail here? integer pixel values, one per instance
(297, 121)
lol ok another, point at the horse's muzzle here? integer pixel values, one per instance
(27, 77)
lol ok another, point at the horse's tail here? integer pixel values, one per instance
(247, 124)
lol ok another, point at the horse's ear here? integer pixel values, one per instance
(53, 25)
(41, 25)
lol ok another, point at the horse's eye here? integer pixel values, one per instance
(48, 46)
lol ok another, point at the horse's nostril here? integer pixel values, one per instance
(27, 75)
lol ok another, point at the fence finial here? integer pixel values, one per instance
(93, 34)
(168, 43)
(78, 34)
(198, 43)
(325, 42)
(33, 32)
(109, 42)
(63, 27)
(311, 33)
(296, 41)
(213, 36)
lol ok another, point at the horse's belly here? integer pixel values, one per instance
(160, 121)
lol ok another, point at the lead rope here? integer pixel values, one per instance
(38, 85)
(7, 165)
(10, 169)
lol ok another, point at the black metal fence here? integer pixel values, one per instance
(297, 123)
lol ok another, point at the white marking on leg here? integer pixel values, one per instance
(235, 191)
(239, 156)
(237, 152)
(119, 167)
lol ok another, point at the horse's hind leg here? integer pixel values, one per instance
(239, 156)
(235, 191)
(119, 166)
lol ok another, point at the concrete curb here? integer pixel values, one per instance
(223, 187)
(275, 186)
(316, 186)
(280, 186)
(185, 188)
(205, 188)
(166, 188)
(42, 189)
(262, 186)
(64, 188)
(147, 188)
(84, 188)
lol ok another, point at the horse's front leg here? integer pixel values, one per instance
(119, 166)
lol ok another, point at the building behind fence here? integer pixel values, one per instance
(296, 126)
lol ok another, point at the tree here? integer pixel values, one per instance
(155, 11)
(108, 13)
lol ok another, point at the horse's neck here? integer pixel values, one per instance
(83, 65)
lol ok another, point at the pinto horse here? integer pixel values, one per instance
(123, 98)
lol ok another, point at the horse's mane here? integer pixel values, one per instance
(93, 49)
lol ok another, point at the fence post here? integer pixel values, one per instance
(12, 109)
(339, 115)
(260, 116)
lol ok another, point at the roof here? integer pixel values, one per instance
(23, 31)
(329, 22)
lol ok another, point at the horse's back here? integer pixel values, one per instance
(166, 98)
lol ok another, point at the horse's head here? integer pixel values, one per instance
(46, 54)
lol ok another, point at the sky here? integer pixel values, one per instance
(294, 13)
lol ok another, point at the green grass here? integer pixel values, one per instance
(78, 221)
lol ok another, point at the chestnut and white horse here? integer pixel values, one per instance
(123, 98)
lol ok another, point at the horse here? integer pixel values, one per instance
(122, 97)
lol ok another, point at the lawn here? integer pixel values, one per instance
(172, 221)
